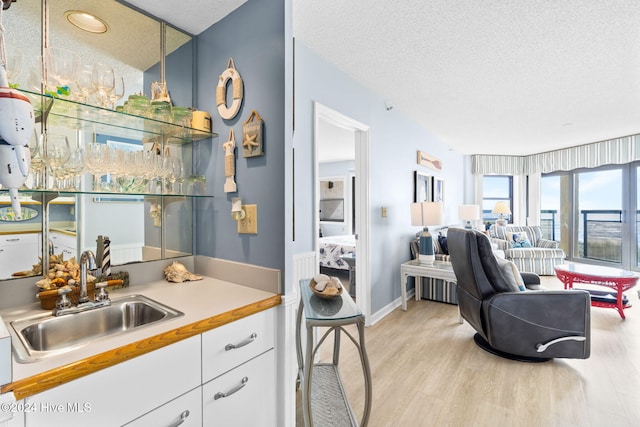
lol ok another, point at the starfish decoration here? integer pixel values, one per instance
(250, 142)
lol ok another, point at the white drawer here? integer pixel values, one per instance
(217, 355)
(183, 411)
(121, 393)
(243, 397)
(19, 239)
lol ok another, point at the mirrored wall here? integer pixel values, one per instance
(140, 226)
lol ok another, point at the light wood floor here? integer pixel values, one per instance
(427, 371)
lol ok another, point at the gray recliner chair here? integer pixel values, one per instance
(522, 325)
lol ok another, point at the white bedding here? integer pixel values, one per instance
(334, 247)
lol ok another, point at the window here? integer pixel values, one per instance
(584, 210)
(599, 215)
(496, 188)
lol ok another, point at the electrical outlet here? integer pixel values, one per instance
(249, 225)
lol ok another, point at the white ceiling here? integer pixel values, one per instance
(493, 77)
(192, 16)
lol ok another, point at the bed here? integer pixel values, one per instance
(334, 247)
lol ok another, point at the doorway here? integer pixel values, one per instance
(342, 149)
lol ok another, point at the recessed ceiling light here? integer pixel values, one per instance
(86, 21)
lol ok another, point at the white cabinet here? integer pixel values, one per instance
(243, 397)
(228, 346)
(121, 393)
(64, 244)
(224, 377)
(184, 411)
(18, 252)
(238, 372)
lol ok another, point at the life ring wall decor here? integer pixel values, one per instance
(232, 74)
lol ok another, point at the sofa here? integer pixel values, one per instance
(525, 246)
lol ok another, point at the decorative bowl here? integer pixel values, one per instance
(324, 294)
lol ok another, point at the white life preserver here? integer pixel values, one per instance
(232, 74)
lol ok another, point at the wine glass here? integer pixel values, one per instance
(118, 91)
(37, 161)
(62, 67)
(56, 153)
(103, 81)
(74, 168)
(13, 64)
(84, 84)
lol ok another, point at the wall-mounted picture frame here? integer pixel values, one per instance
(438, 189)
(423, 191)
(429, 161)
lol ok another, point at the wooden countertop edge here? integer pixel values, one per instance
(38, 383)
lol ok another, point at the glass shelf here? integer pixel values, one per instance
(27, 193)
(75, 115)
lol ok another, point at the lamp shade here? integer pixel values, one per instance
(501, 208)
(426, 213)
(469, 212)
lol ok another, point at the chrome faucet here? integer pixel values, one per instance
(87, 262)
(63, 305)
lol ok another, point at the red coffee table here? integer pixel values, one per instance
(614, 278)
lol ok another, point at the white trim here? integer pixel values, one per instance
(363, 227)
(387, 309)
(287, 359)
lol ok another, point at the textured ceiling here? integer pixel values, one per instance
(192, 16)
(502, 77)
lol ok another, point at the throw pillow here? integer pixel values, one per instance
(518, 240)
(511, 274)
(442, 240)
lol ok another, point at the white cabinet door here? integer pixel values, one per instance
(121, 393)
(18, 252)
(64, 244)
(243, 397)
(184, 411)
(226, 347)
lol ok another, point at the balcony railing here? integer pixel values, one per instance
(601, 232)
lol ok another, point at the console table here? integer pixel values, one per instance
(323, 397)
(438, 270)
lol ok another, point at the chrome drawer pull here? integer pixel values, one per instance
(249, 340)
(220, 395)
(183, 418)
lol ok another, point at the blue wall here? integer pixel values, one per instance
(394, 142)
(254, 36)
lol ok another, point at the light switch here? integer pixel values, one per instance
(249, 225)
(384, 212)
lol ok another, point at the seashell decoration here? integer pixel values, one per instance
(178, 273)
(61, 273)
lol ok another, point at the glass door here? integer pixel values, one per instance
(598, 215)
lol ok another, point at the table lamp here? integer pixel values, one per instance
(425, 214)
(469, 213)
(501, 208)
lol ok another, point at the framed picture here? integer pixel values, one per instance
(438, 189)
(422, 187)
(429, 161)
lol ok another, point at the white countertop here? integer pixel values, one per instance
(198, 300)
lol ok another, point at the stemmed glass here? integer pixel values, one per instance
(117, 93)
(56, 153)
(74, 168)
(84, 84)
(62, 67)
(103, 81)
(13, 64)
(37, 161)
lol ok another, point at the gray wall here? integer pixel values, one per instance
(394, 141)
(254, 36)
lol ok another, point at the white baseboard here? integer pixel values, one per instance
(387, 309)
